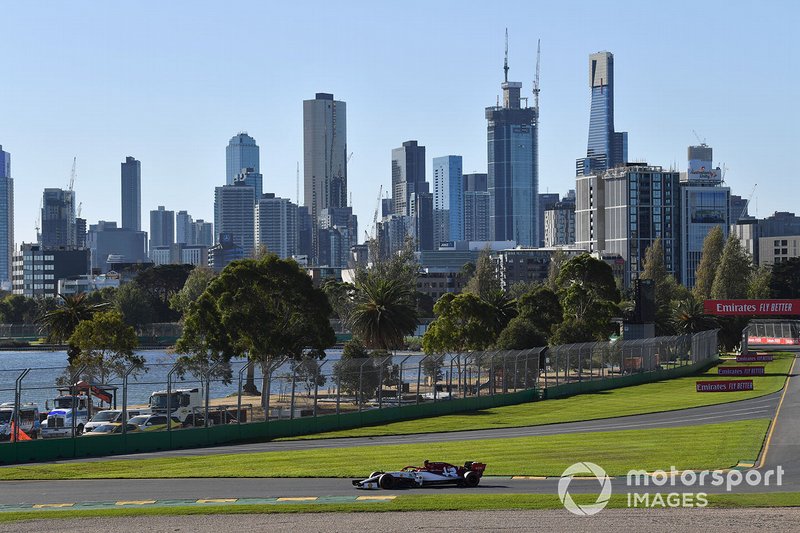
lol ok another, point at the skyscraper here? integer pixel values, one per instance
(513, 180)
(58, 219)
(606, 148)
(6, 219)
(184, 228)
(234, 214)
(705, 204)
(253, 179)
(324, 156)
(477, 205)
(162, 227)
(131, 194)
(276, 225)
(408, 175)
(203, 233)
(546, 201)
(448, 199)
(242, 152)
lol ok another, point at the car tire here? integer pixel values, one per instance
(378, 473)
(386, 481)
(79, 430)
(471, 479)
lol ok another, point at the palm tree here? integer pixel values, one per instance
(688, 316)
(503, 307)
(61, 322)
(384, 312)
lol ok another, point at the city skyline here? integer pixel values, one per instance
(150, 109)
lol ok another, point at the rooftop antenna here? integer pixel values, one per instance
(505, 63)
(536, 79)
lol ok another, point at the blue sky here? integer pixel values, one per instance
(170, 82)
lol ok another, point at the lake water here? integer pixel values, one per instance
(47, 367)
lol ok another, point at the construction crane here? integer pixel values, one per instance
(80, 205)
(701, 141)
(72, 174)
(747, 203)
(349, 157)
(536, 79)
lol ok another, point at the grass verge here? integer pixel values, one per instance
(696, 447)
(426, 502)
(669, 395)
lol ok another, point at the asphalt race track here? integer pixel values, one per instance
(783, 449)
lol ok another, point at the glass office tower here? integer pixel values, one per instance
(6, 219)
(131, 180)
(606, 148)
(513, 177)
(242, 152)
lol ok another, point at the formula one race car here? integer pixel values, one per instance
(429, 474)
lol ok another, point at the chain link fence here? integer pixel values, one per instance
(167, 396)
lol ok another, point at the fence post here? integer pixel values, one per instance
(294, 383)
(316, 385)
(125, 397)
(360, 383)
(419, 375)
(208, 392)
(339, 388)
(245, 368)
(400, 381)
(169, 396)
(73, 400)
(18, 404)
(516, 374)
(450, 378)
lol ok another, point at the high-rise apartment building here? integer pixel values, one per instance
(513, 179)
(203, 233)
(276, 225)
(642, 204)
(324, 156)
(705, 204)
(184, 228)
(242, 152)
(448, 199)
(6, 219)
(254, 179)
(411, 196)
(234, 213)
(559, 225)
(606, 148)
(131, 173)
(58, 219)
(546, 201)
(477, 206)
(162, 227)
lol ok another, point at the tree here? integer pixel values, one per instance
(760, 283)
(356, 372)
(589, 297)
(463, 323)
(733, 274)
(666, 287)
(106, 345)
(785, 282)
(134, 304)
(266, 309)
(542, 308)
(554, 268)
(520, 334)
(308, 373)
(161, 283)
(485, 280)
(689, 316)
(61, 322)
(340, 296)
(17, 309)
(195, 285)
(384, 312)
(709, 262)
(503, 309)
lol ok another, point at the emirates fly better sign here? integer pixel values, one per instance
(751, 307)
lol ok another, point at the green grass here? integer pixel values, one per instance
(697, 447)
(666, 395)
(417, 502)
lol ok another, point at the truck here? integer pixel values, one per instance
(59, 419)
(28, 417)
(187, 405)
(76, 400)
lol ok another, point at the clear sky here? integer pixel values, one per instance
(170, 82)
